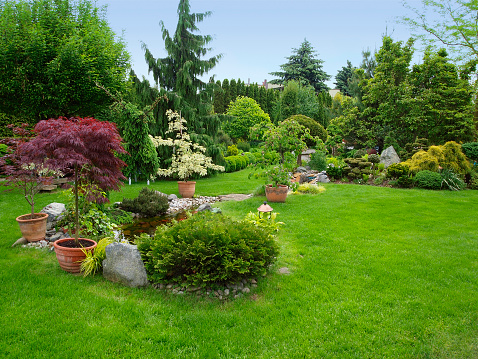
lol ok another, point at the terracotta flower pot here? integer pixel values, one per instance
(276, 194)
(33, 230)
(186, 188)
(70, 258)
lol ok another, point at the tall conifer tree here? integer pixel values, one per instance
(304, 68)
(179, 72)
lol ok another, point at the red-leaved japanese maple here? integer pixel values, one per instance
(85, 147)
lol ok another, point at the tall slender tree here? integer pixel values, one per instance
(180, 71)
(304, 68)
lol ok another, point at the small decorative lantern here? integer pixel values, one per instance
(265, 208)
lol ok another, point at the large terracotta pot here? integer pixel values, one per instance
(33, 230)
(276, 194)
(186, 188)
(70, 258)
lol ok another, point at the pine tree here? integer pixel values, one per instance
(304, 68)
(343, 78)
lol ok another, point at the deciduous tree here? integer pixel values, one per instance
(51, 54)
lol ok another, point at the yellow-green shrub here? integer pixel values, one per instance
(448, 156)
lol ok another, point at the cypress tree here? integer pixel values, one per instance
(240, 88)
(233, 89)
(219, 104)
(227, 92)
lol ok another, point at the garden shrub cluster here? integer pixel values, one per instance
(357, 168)
(239, 162)
(207, 249)
(428, 180)
(149, 203)
(448, 156)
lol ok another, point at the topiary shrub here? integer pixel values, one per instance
(428, 180)
(230, 164)
(207, 249)
(359, 153)
(397, 170)
(315, 128)
(149, 203)
(334, 172)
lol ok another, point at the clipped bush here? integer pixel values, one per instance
(149, 203)
(470, 149)
(318, 161)
(230, 164)
(397, 170)
(359, 153)
(207, 249)
(334, 172)
(428, 180)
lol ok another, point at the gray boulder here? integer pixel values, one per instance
(301, 169)
(172, 197)
(322, 178)
(123, 265)
(204, 207)
(389, 156)
(54, 210)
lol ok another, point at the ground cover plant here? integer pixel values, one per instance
(374, 272)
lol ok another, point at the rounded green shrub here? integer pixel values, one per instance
(397, 170)
(232, 150)
(315, 128)
(207, 249)
(428, 180)
(230, 164)
(149, 203)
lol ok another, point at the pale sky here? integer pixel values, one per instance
(256, 36)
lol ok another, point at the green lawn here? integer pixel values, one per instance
(375, 273)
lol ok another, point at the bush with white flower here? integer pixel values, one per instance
(188, 157)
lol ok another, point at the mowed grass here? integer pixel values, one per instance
(374, 273)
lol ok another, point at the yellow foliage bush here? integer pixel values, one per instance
(448, 156)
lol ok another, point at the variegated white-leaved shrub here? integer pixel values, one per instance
(188, 157)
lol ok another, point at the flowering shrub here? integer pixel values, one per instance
(188, 157)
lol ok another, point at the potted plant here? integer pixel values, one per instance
(87, 149)
(188, 158)
(29, 177)
(288, 140)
